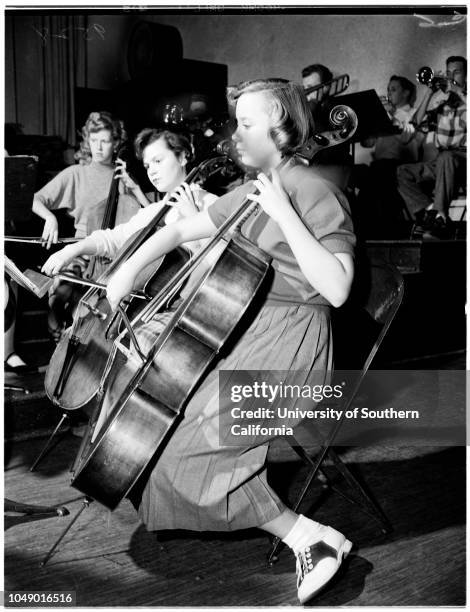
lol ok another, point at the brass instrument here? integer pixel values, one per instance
(173, 116)
(426, 76)
(332, 88)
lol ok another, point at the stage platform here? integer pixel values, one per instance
(110, 559)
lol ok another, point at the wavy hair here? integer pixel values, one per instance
(293, 120)
(175, 142)
(95, 122)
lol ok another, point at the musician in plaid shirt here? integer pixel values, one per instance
(447, 110)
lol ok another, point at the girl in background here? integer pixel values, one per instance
(80, 189)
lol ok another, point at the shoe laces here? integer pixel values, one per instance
(303, 564)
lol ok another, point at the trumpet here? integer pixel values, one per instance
(332, 88)
(426, 76)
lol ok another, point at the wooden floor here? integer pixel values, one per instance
(110, 559)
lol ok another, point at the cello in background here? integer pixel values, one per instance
(116, 209)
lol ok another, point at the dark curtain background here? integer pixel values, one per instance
(46, 59)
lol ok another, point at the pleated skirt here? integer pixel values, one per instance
(201, 484)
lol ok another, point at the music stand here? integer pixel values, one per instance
(373, 121)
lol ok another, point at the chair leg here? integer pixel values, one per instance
(373, 509)
(306, 458)
(273, 554)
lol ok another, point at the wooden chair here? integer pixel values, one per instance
(375, 299)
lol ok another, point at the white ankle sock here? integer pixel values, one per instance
(305, 532)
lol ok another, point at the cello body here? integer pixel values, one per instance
(141, 417)
(74, 372)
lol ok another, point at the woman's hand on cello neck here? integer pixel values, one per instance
(272, 196)
(129, 183)
(184, 200)
(329, 273)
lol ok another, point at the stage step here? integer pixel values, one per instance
(411, 256)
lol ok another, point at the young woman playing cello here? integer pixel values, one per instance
(165, 156)
(80, 189)
(305, 225)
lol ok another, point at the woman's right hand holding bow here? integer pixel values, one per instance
(60, 259)
(119, 285)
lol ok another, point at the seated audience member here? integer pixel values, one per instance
(335, 163)
(379, 199)
(447, 171)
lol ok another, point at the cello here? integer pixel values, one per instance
(74, 372)
(153, 392)
(116, 209)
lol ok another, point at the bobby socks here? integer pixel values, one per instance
(305, 532)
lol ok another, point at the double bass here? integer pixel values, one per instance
(153, 389)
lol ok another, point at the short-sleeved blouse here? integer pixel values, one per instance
(79, 188)
(324, 210)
